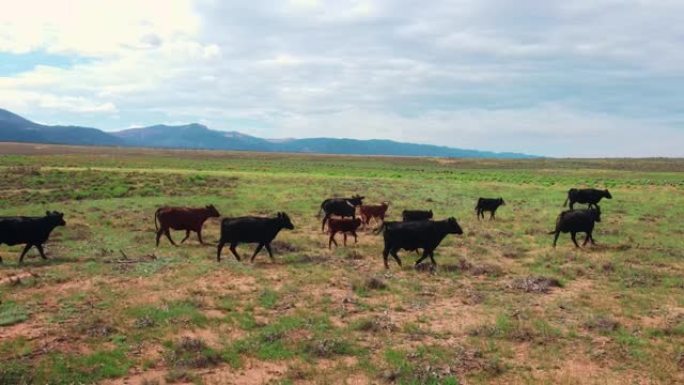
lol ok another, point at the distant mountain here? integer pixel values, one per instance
(14, 128)
(191, 136)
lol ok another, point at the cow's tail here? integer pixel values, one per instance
(156, 216)
(320, 210)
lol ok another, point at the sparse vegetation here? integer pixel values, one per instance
(501, 307)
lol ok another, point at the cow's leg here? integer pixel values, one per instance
(258, 249)
(344, 238)
(332, 240)
(385, 254)
(432, 258)
(572, 204)
(555, 238)
(573, 235)
(40, 250)
(187, 235)
(26, 249)
(591, 238)
(218, 252)
(234, 251)
(491, 215)
(159, 234)
(395, 256)
(356, 238)
(325, 219)
(586, 239)
(270, 253)
(167, 232)
(199, 236)
(426, 253)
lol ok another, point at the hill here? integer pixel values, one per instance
(14, 128)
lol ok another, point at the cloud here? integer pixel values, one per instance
(533, 76)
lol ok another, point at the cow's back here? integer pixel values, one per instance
(577, 221)
(408, 235)
(180, 218)
(19, 230)
(246, 229)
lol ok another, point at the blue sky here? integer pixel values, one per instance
(581, 78)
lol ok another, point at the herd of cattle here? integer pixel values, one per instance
(416, 231)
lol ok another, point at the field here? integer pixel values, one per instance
(502, 307)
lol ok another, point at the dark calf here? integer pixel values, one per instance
(343, 226)
(252, 230)
(31, 231)
(426, 235)
(182, 218)
(490, 205)
(342, 207)
(577, 221)
(416, 215)
(588, 196)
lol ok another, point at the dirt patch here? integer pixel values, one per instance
(602, 324)
(252, 373)
(16, 279)
(535, 284)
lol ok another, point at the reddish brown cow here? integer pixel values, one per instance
(343, 225)
(182, 218)
(373, 211)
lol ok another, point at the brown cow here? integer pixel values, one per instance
(369, 212)
(343, 225)
(182, 218)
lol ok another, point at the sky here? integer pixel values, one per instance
(581, 78)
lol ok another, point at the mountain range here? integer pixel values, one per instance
(14, 128)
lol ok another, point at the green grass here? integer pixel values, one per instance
(329, 316)
(12, 313)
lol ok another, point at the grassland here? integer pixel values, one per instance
(502, 307)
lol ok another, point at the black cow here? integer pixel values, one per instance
(252, 230)
(343, 207)
(577, 221)
(488, 204)
(589, 196)
(425, 235)
(31, 231)
(416, 215)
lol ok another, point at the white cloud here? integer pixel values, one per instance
(532, 76)
(93, 28)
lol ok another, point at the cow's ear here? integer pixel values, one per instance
(47, 213)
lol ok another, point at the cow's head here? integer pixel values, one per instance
(285, 221)
(356, 200)
(211, 210)
(501, 202)
(597, 213)
(56, 218)
(606, 194)
(453, 227)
